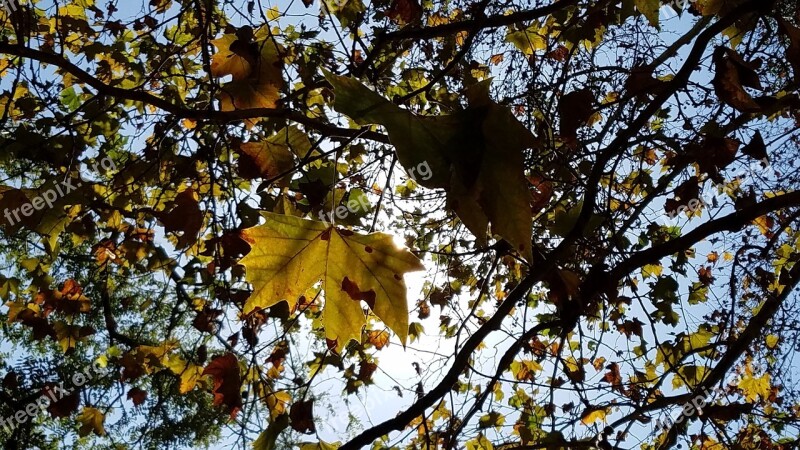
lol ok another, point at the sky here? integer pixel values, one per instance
(430, 353)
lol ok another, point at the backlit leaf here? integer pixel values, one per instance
(732, 75)
(650, 9)
(754, 387)
(476, 155)
(289, 255)
(91, 420)
(227, 382)
(592, 415)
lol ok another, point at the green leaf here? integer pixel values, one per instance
(664, 295)
(565, 220)
(476, 154)
(70, 98)
(691, 375)
(479, 443)
(417, 140)
(266, 440)
(650, 9)
(493, 419)
(698, 293)
(347, 11)
(415, 330)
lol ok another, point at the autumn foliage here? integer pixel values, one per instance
(603, 234)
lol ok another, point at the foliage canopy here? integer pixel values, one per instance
(400, 224)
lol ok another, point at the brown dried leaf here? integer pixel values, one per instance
(205, 320)
(575, 109)
(365, 370)
(631, 327)
(404, 11)
(183, 215)
(641, 82)
(378, 338)
(137, 396)
(227, 382)
(715, 154)
(560, 54)
(65, 404)
(756, 149)
(302, 415)
(732, 75)
(613, 375)
(687, 191)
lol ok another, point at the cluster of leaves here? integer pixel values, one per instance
(238, 268)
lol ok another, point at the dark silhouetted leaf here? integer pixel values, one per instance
(302, 415)
(227, 382)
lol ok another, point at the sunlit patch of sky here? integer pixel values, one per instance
(433, 354)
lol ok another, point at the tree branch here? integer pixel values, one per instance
(680, 80)
(473, 25)
(399, 422)
(505, 362)
(752, 332)
(452, 28)
(179, 111)
(732, 222)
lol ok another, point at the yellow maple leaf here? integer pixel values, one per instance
(225, 62)
(594, 414)
(764, 224)
(190, 373)
(528, 41)
(289, 255)
(256, 68)
(599, 363)
(248, 95)
(321, 445)
(277, 402)
(710, 444)
(652, 270)
(160, 352)
(525, 370)
(752, 387)
(772, 341)
(91, 420)
(735, 35)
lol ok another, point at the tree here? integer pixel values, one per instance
(237, 224)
